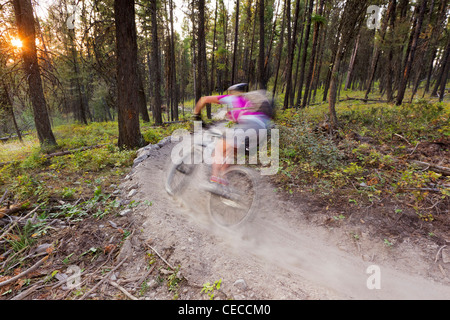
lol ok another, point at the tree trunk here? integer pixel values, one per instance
(434, 38)
(299, 51)
(225, 79)
(441, 70)
(445, 68)
(142, 99)
(27, 33)
(376, 54)
(156, 107)
(389, 66)
(202, 33)
(79, 104)
(410, 57)
(351, 65)
(280, 49)
(248, 49)
(333, 57)
(211, 83)
(262, 83)
(291, 46)
(202, 81)
(236, 31)
(353, 12)
(316, 74)
(127, 77)
(305, 54)
(424, 44)
(174, 92)
(270, 46)
(313, 56)
(10, 106)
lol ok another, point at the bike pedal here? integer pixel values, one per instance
(182, 170)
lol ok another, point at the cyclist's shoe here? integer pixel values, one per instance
(218, 186)
(218, 180)
(184, 169)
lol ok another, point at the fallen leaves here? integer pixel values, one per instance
(109, 248)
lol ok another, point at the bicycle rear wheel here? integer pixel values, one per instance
(236, 205)
(179, 175)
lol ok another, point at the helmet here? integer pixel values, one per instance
(238, 87)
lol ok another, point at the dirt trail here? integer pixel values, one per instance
(280, 255)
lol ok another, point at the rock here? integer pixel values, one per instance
(126, 250)
(366, 257)
(124, 202)
(240, 284)
(133, 186)
(166, 272)
(164, 141)
(140, 159)
(132, 193)
(113, 224)
(61, 276)
(153, 284)
(125, 212)
(141, 152)
(41, 248)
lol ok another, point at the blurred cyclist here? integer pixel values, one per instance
(243, 113)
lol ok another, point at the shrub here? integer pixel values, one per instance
(301, 143)
(152, 136)
(27, 187)
(34, 161)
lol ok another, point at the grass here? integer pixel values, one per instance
(33, 176)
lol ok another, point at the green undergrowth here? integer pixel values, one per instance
(73, 186)
(32, 175)
(367, 161)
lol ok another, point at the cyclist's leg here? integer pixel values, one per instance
(218, 160)
(219, 164)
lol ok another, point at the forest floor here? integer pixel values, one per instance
(317, 233)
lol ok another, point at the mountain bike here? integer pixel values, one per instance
(229, 206)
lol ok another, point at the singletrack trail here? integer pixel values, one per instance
(280, 255)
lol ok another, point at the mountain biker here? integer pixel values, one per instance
(244, 118)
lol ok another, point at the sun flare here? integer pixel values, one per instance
(16, 42)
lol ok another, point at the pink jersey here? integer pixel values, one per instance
(239, 107)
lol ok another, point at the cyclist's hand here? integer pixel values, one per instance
(197, 117)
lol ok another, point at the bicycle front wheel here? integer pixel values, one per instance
(179, 175)
(236, 205)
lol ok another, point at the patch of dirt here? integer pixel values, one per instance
(295, 248)
(381, 219)
(437, 150)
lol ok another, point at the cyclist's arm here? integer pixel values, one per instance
(203, 101)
